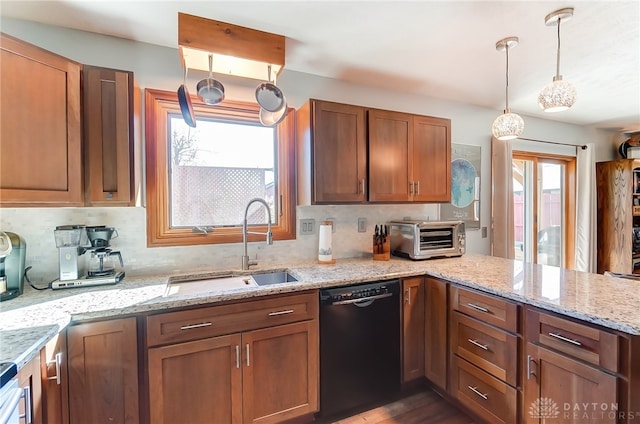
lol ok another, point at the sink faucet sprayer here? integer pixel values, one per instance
(246, 262)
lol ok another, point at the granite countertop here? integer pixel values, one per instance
(29, 321)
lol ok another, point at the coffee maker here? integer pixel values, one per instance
(74, 241)
(12, 265)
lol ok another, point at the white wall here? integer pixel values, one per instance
(158, 67)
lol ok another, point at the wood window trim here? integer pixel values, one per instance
(569, 198)
(158, 104)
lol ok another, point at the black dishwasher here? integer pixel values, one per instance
(359, 346)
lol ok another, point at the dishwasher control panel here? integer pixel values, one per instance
(361, 292)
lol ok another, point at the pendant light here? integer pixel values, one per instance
(558, 95)
(508, 125)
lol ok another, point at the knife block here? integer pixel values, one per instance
(381, 251)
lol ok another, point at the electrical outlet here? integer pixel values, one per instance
(484, 232)
(333, 224)
(362, 225)
(307, 227)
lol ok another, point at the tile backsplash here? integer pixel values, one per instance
(36, 226)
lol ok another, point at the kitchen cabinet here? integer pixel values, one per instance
(110, 111)
(55, 380)
(40, 130)
(618, 189)
(484, 347)
(103, 372)
(413, 322)
(409, 157)
(570, 364)
(332, 153)
(31, 384)
(353, 154)
(249, 362)
(436, 352)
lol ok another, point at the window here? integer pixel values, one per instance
(199, 180)
(544, 208)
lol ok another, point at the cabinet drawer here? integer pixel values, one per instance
(487, 308)
(581, 341)
(489, 348)
(490, 398)
(218, 320)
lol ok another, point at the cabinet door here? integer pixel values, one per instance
(413, 329)
(280, 376)
(339, 153)
(390, 147)
(31, 384)
(196, 382)
(556, 386)
(435, 339)
(108, 136)
(40, 164)
(55, 381)
(431, 160)
(103, 372)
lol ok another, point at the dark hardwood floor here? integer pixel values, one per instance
(424, 407)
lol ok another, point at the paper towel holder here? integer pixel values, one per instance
(325, 251)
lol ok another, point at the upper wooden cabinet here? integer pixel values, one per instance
(45, 128)
(409, 157)
(352, 154)
(40, 133)
(332, 153)
(108, 123)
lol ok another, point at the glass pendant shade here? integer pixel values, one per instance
(557, 96)
(507, 126)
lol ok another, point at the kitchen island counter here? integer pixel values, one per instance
(30, 320)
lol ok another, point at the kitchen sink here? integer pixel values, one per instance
(180, 287)
(276, 277)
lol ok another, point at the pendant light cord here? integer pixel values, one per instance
(506, 94)
(558, 53)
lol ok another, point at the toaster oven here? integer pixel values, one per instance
(427, 239)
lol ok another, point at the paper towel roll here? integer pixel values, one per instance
(325, 254)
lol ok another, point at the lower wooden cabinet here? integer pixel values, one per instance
(103, 372)
(413, 329)
(31, 384)
(55, 380)
(559, 387)
(262, 376)
(436, 352)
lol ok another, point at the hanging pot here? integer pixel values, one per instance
(270, 119)
(270, 97)
(210, 90)
(185, 103)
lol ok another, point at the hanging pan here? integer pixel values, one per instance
(185, 102)
(270, 97)
(210, 90)
(270, 119)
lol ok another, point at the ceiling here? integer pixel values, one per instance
(442, 49)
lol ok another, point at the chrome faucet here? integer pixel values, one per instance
(246, 262)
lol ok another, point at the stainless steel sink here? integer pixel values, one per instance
(180, 287)
(277, 277)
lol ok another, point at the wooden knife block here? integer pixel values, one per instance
(382, 252)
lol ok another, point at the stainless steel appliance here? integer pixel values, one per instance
(14, 266)
(72, 242)
(10, 395)
(359, 346)
(427, 239)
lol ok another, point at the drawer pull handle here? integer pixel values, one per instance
(565, 339)
(478, 308)
(478, 392)
(57, 361)
(202, 324)
(476, 343)
(274, 314)
(237, 356)
(529, 361)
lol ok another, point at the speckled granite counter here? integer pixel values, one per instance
(27, 322)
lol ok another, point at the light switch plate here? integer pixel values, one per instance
(307, 227)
